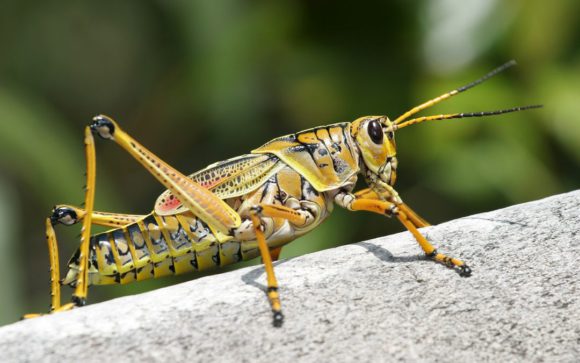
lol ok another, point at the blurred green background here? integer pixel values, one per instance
(201, 81)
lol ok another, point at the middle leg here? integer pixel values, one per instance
(69, 215)
(296, 217)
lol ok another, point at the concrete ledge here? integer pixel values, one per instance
(378, 300)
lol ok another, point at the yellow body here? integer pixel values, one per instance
(243, 207)
(302, 171)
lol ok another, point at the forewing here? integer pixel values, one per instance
(226, 179)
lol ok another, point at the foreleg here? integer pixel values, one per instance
(354, 202)
(417, 220)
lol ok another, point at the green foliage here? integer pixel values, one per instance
(202, 81)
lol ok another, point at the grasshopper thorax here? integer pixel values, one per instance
(375, 139)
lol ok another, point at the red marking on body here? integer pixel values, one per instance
(170, 204)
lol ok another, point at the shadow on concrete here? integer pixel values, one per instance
(385, 255)
(379, 252)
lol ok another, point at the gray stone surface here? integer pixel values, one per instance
(372, 301)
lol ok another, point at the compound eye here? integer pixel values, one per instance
(376, 132)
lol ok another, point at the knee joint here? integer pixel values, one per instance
(64, 215)
(103, 126)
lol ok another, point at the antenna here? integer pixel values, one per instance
(447, 95)
(463, 115)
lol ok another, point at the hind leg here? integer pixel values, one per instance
(69, 215)
(80, 292)
(54, 271)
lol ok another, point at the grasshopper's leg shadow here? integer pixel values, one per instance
(368, 201)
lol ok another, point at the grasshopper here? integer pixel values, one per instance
(243, 207)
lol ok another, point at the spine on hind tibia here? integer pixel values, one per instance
(155, 246)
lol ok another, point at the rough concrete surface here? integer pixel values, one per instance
(378, 300)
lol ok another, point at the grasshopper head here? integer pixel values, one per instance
(375, 138)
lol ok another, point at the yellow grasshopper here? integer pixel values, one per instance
(241, 208)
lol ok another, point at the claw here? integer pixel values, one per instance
(463, 270)
(78, 301)
(278, 319)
